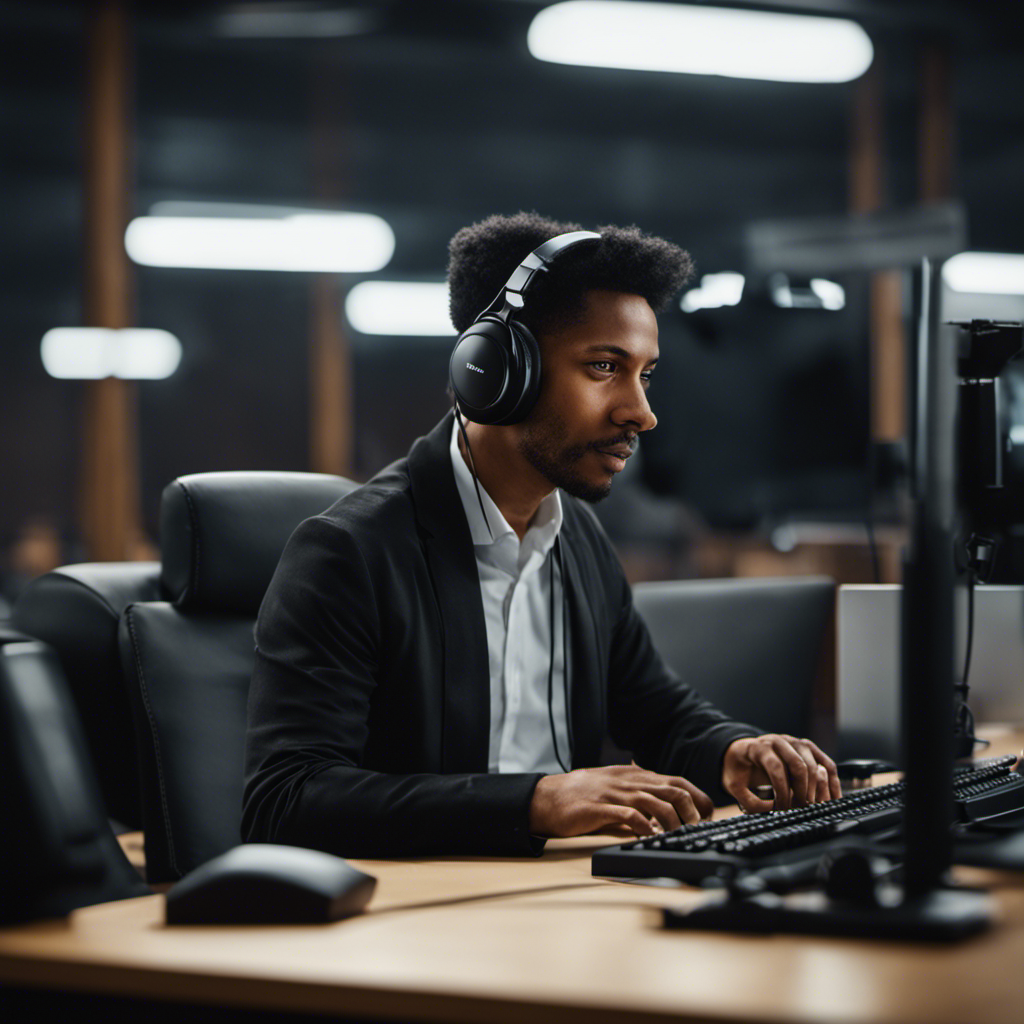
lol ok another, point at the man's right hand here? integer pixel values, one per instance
(589, 799)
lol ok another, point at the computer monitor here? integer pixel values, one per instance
(868, 663)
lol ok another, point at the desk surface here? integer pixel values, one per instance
(527, 940)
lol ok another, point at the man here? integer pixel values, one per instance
(437, 648)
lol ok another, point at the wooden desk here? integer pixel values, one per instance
(489, 940)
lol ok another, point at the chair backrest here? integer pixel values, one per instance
(60, 852)
(188, 661)
(752, 646)
(75, 610)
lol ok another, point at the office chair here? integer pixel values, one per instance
(752, 646)
(75, 610)
(60, 852)
(187, 660)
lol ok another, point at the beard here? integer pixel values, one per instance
(543, 445)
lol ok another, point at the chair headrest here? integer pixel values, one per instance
(221, 534)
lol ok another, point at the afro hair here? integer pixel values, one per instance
(483, 256)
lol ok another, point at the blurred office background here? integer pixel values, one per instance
(781, 403)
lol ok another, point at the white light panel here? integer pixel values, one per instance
(735, 43)
(92, 353)
(296, 241)
(985, 273)
(416, 308)
(715, 291)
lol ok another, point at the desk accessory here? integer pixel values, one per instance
(261, 883)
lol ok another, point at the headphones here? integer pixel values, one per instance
(495, 367)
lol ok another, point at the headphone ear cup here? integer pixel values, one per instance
(524, 380)
(495, 372)
(481, 369)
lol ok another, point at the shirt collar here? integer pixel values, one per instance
(543, 530)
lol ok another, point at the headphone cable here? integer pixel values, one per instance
(472, 469)
(551, 660)
(556, 551)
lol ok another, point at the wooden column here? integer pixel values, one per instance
(330, 354)
(330, 382)
(110, 515)
(936, 128)
(868, 194)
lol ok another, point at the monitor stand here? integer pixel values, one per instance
(941, 915)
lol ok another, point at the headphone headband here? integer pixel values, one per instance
(495, 368)
(510, 298)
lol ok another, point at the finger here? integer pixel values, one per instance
(775, 769)
(834, 786)
(817, 785)
(704, 804)
(824, 792)
(681, 800)
(819, 755)
(673, 785)
(813, 782)
(661, 810)
(753, 804)
(629, 817)
(800, 774)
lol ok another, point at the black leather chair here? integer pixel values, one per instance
(188, 659)
(753, 646)
(75, 610)
(60, 852)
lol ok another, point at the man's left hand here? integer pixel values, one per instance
(798, 770)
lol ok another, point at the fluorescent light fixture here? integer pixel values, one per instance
(416, 308)
(716, 290)
(818, 293)
(295, 240)
(985, 273)
(696, 40)
(831, 294)
(92, 353)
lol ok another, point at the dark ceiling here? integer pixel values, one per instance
(433, 114)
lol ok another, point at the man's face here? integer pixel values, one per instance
(593, 398)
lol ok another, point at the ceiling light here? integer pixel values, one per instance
(294, 240)
(832, 294)
(701, 40)
(716, 290)
(818, 293)
(416, 308)
(92, 353)
(985, 273)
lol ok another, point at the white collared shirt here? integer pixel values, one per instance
(515, 580)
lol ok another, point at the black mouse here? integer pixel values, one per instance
(260, 883)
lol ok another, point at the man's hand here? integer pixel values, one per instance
(592, 798)
(798, 770)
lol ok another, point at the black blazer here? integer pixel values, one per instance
(369, 710)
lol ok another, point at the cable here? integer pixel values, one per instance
(556, 552)
(970, 630)
(565, 650)
(964, 723)
(472, 469)
(980, 558)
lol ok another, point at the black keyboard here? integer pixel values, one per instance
(786, 846)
